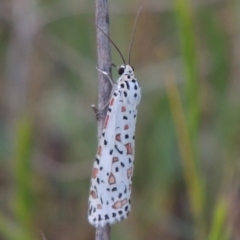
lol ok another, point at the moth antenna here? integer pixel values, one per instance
(112, 43)
(134, 29)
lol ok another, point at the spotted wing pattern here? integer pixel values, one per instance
(111, 179)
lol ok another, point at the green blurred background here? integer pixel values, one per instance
(186, 56)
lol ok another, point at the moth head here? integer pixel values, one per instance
(125, 69)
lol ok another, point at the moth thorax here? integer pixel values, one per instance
(125, 69)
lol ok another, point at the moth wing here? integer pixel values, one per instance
(120, 181)
(134, 93)
(99, 202)
(111, 182)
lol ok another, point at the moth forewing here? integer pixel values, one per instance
(111, 183)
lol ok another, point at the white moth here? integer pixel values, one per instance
(111, 180)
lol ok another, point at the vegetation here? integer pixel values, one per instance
(186, 177)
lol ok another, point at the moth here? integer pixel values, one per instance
(111, 179)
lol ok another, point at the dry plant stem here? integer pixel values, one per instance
(104, 56)
(103, 233)
(104, 91)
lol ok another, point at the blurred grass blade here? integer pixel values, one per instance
(218, 229)
(9, 229)
(190, 171)
(187, 40)
(23, 177)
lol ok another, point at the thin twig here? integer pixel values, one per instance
(104, 90)
(104, 56)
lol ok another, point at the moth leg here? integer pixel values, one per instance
(98, 112)
(106, 74)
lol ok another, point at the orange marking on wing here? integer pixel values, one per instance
(123, 109)
(124, 201)
(119, 204)
(94, 173)
(111, 179)
(99, 206)
(115, 159)
(129, 172)
(99, 151)
(93, 194)
(118, 137)
(106, 122)
(126, 127)
(129, 148)
(111, 102)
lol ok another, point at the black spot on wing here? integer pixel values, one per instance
(127, 84)
(121, 152)
(90, 210)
